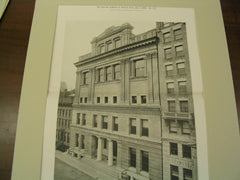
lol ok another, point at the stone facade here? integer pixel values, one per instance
(133, 103)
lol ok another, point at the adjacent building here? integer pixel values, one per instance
(133, 105)
(64, 118)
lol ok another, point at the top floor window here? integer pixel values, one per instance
(177, 34)
(108, 46)
(167, 37)
(117, 42)
(101, 48)
(140, 68)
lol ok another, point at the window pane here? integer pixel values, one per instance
(140, 68)
(143, 99)
(184, 106)
(186, 151)
(117, 72)
(173, 127)
(145, 161)
(174, 148)
(174, 172)
(134, 99)
(187, 174)
(109, 73)
(101, 74)
(171, 106)
(132, 153)
(186, 128)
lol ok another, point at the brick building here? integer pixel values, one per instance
(64, 118)
(133, 104)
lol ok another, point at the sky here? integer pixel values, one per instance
(78, 37)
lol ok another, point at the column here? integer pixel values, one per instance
(99, 149)
(122, 72)
(110, 152)
(119, 150)
(77, 87)
(139, 127)
(127, 83)
(150, 78)
(156, 85)
(93, 72)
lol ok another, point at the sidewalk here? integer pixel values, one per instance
(96, 169)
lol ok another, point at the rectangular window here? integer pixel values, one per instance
(101, 75)
(140, 68)
(105, 143)
(145, 161)
(106, 99)
(174, 172)
(78, 118)
(178, 34)
(82, 141)
(173, 127)
(168, 53)
(134, 99)
(116, 71)
(169, 70)
(184, 106)
(179, 50)
(76, 140)
(68, 138)
(104, 122)
(117, 43)
(181, 68)
(143, 99)
(81, 99)
(186, 128)
(94, 120)
(114, 99)
(187, 174)
(171, 106)
(132, 159)
(115, 123)
(85, 100)
(83, 119)
(170, 87)
(167, 37)
(173, 148)
(101, 49)
(98, 99)
(145, 127)
(109, 73)
(85, 78)
(187, 152)
(133, 126)
(108, 45)
(182, 87)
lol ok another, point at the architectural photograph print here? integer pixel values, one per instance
(125, 96)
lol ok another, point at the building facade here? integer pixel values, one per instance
(64, 119)
(133, 106)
